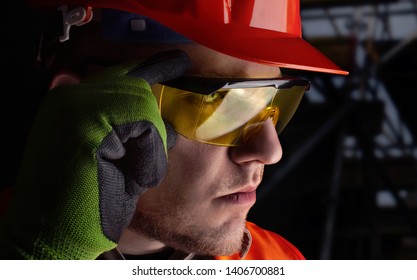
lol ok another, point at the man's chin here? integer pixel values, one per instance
(203, 238)
(216, 241)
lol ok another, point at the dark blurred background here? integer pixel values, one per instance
(346, 187)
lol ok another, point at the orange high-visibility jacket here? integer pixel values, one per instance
(265, 245)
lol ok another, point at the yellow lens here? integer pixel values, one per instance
(226, 117)
(287, 100)
(256, 123)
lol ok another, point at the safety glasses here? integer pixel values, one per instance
(225, 112)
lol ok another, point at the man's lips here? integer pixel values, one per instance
(241, 198)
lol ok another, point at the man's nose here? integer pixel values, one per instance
(262, 146)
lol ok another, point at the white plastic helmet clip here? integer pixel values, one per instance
(78, 16)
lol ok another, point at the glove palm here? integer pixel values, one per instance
(94, 147)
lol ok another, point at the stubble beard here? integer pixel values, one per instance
(180, 232)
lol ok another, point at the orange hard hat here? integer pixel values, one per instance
(262, 31)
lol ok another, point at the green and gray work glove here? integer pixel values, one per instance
(93, 149)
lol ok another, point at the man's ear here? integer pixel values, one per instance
(64, 78)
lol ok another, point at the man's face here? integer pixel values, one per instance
(202, 203)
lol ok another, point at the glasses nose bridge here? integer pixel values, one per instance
(271, 112)
(263, 146)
